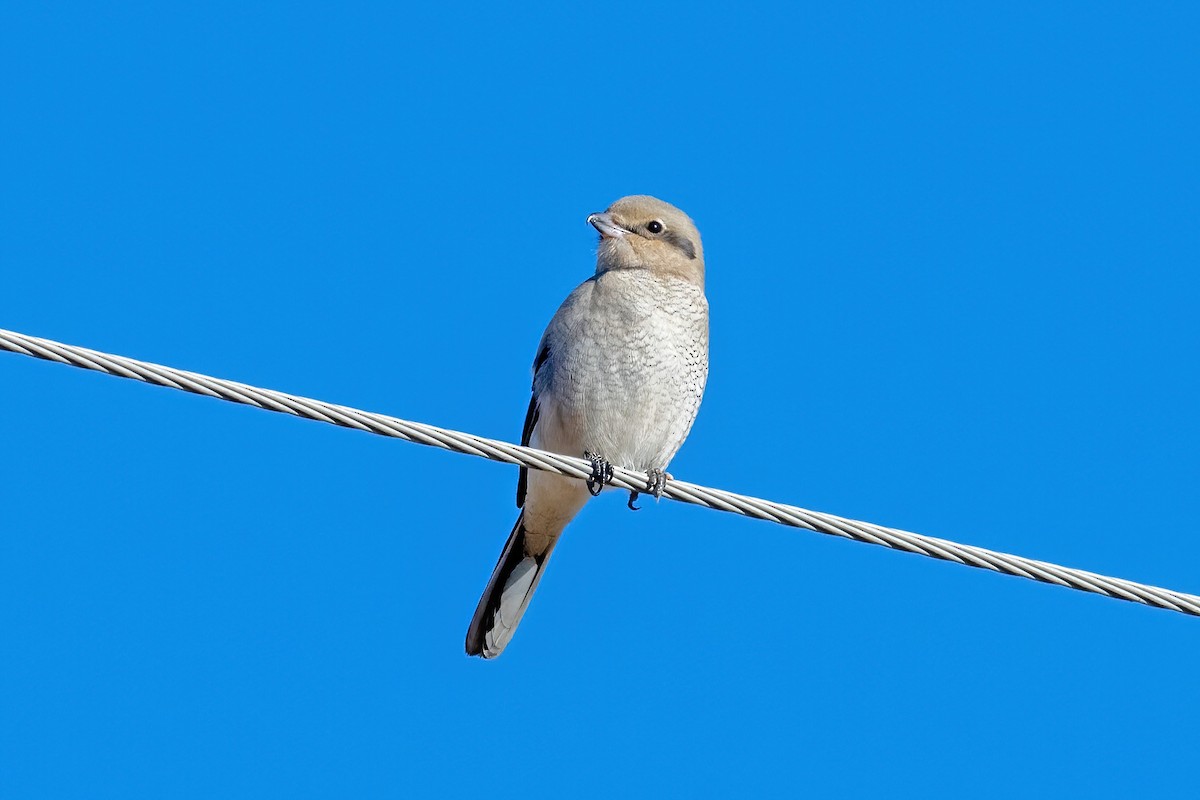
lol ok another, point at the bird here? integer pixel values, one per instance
(618, 378)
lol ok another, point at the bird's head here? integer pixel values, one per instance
(643, 232)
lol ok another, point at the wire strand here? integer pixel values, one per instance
(507, 453)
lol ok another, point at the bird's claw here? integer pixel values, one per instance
(602, 473)
(656, 481)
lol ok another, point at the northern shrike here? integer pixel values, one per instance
(618, 378)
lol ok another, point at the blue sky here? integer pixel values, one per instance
(952, 266)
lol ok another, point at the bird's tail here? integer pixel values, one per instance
(508, 591)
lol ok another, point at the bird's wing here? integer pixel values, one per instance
(531, 419)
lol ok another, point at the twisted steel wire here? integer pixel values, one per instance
(683, 491)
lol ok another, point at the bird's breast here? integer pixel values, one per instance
(628, 359)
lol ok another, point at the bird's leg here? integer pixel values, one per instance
(602, 473)
(656, 481)
(633, 496)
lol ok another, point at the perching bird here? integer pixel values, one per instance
(617, 379)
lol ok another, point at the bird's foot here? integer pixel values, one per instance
(602, 473)
(656, 481)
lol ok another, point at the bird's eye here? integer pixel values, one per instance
(655, 226)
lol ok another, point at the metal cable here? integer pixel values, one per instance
(579, 468)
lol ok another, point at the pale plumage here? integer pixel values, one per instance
(619, 375)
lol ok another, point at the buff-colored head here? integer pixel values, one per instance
(643, 232)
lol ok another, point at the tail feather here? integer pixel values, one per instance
(507, 594)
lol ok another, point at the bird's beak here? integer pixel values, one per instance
(607, 226)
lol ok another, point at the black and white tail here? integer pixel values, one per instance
(508, 592)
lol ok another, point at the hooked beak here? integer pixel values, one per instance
(607, 226)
